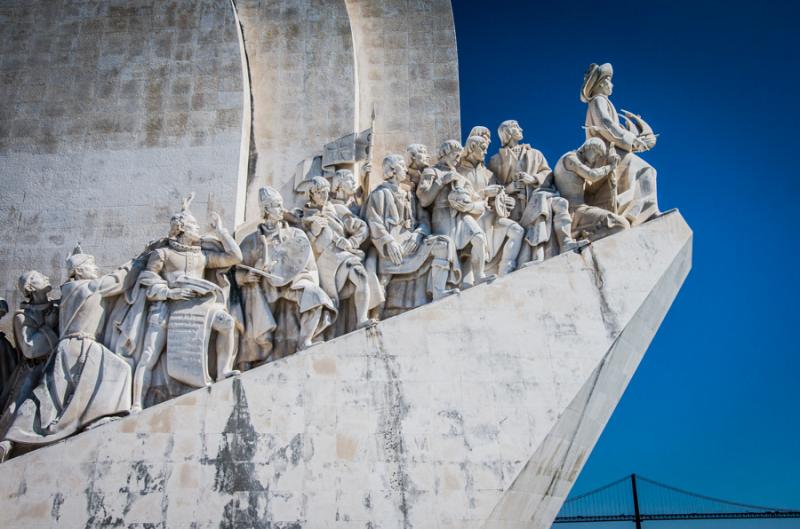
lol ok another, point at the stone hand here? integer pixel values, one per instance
(181, 294)
(216, 222)
(251, 278)
(449, 177)
(411, 245)
(394, 252)
(492, 190)
(526, 179)
(344, 244)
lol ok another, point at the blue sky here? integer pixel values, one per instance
(715, 405)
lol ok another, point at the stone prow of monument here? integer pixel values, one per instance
(474, 412)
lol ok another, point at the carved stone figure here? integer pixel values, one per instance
(588, 169)
(503, 235)
(284, 306)
(9, 360)
(85, 381)
(526, 176)
(456, 208)
(636, 198)
(413, 265)
(185, 307)
(336, 236)
(35, 327)
(344, 189)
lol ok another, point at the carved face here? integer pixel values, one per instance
(591, 156)
(87, 270)
(420, 157)
(319, 195)
(477, 150)
(400, 171)
(515, 131)
(273, 212)
(39, 282)
(191, 231)
(348, 183)
(605, 87)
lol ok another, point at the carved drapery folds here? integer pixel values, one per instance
(191, 308)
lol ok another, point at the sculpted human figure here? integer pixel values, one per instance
(414, 265)
(589, 168)
(336, 236)
(35, 326)
(85, 381)
(284, 306)
(503, 235)
(636, 198)
(9, 359)
(456, 208)
(344, 188)
(526, 176)
(185, 306)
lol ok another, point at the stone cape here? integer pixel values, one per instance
(476, 411)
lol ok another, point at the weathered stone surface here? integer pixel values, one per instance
(474, 411)
(108, 111)
(318, 68)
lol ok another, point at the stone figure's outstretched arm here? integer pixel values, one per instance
(611, 130)
(232, 254)
(113, 284)
(429, 186)
(33, 342)
(591, 175)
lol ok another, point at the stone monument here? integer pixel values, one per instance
(385, 340)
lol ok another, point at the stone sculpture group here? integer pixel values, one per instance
(191, 309)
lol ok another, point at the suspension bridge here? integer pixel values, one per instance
(638, 499)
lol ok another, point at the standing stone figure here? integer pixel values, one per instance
(503, 235)
(588, 169)
(185, 307)
(636, 198)
(414, 265)
(456, 209)
(336, 236)
(35, 327)
(526, 176)
(85, 381)
(285, 309)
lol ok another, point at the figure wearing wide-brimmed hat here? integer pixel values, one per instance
(635, 197)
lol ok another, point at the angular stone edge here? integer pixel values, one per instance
(539, 491)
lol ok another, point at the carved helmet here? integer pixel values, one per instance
(77, 259)
(269, 196)
(180, 219)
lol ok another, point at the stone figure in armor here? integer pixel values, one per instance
(413, 265)
(85, 382)
(503, 235)
(336, 236)
(526, 176)
(635, 197)
(185, 306)
(587, 170)
(35, 327)
(285, 309)
(456, 208)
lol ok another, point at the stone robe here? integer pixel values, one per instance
(273, 313)
(459, 226)
(84, 381)
(494, 226)
(572, 177)
(393, 213)
(637, 199)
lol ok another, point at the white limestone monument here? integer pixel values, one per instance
(399, 333)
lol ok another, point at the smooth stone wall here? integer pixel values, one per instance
(109, 113)
(477, 411)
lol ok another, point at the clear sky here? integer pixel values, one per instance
(715, 404)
